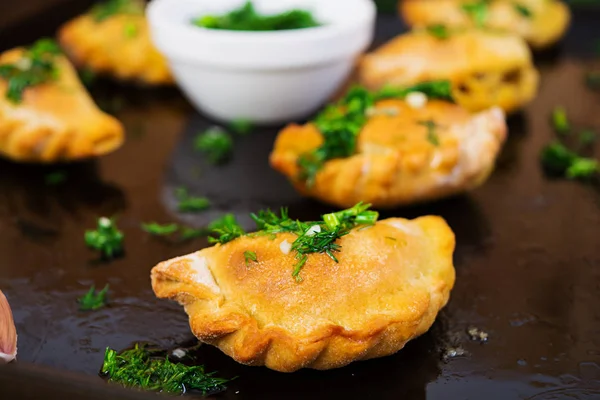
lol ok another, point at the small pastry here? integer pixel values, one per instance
(485, 68)
(371, 289)
(541, 23)
(113, 38)
(391, 150)
(46, 115)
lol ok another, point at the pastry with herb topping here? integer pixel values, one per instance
(46, 115)
(392, 147)
(113, 39)
(318, 294)
(485, 68)
(541, 23)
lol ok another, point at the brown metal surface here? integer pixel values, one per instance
(527, 257)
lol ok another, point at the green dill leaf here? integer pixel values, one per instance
(138, 367)
(225, 229)
(439, 31)
(216, 144)
(523, 10)
(441, 90)
(583, 168)
(92, 300)
(106, 239)
(35, 67)
(477, 11)
(559, 160)
(250, 256)
(106, 9)
(187, 233)
(131, 30)
(587, 137)
(246, 18)
(55, 178)
(188, 203)
(560, 121)
(432, 136)
(241, 126)
(160, 229)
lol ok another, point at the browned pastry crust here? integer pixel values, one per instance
(106, 47)
(486, 69)
(545, 26)
(395, 163)
(389, 284)
(56, 121)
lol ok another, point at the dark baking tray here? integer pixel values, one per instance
(527, 256)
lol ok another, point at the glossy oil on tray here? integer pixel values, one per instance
(527, 257)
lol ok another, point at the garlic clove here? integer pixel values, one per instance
(8, 332)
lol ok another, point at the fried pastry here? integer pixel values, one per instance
(485, 68)
(541, 23)
(113, 38)
(405, 151)
(46, 115)
(382, 287)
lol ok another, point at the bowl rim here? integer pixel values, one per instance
(157, 14)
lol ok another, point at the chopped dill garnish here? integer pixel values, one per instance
(188, 203)
(106, 9)
(156, 229)
(246, 18)
(215, 143)
(241, 126)
(250, 256)
(55, 178)
(92, 300)
(560, 121)
(226, 229)
(341, 123)
(139, 367)
(477, 11)
(439, 31)
(312, 236)
(107, 238)
(523, 10)
(432, 136)
(35, 67)
(559, 160)
(87, 76)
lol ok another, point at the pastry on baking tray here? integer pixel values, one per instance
(486, 68)
(391, 148)
(540, 22)
(113, 39)
(46, 115)
(374, 288)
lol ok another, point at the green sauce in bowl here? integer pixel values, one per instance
(246, 18)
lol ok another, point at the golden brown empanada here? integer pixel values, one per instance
(54, 121)
(486, 69)
(540, 22)
(389, 283)
(404, 154)
(116, 44)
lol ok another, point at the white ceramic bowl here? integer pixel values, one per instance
(264, 77)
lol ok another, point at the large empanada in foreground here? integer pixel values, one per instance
(486, 69)
(540, 22)
(115, 42)
(54, 120)
(389, 283)
(406, 151)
